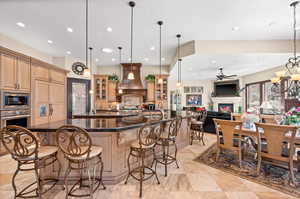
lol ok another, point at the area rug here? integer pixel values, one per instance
(271, 176)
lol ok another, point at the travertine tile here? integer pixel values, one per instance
(241, 195)
(203, 182)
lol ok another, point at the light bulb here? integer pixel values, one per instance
(160, 80)
(120, 91)
(131, 76)
(91, 92)
(178, 84)
(275, 79)
(295, 77)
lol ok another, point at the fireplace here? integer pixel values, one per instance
(225, 108)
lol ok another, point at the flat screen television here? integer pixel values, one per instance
(193, 100)
(226, 88)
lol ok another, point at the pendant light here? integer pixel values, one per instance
(130, 74)
(120, 91)
(178, 62)
(291, 73)
(160, 80)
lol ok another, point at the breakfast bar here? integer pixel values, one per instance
(114, 135)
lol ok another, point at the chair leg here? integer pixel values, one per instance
(38, 181)
(240, 158)
(14, 178)
(176, 149)
(142, 167)
(202, 138)
(59, 167)
(291, 165)
(165, 158)
(128, 166)
(66, 181)
(258, 165)
(191, 137)
(218, 154)
(91, 182)
(101, 172)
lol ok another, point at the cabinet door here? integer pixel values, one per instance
(8, 71)
(40, 72)
(150, 91)
(24, 75)
(57, 102)
(40, 104)
(112, 86)
(57, 76)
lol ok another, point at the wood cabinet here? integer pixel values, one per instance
(161, 92)
(15, 70)
(100, 91)
(49, 93)
(112, 91)
(150, 92)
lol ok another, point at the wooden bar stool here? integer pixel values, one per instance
(24, 148)
(76, 145)
(196, 127)
(147, 138)
(166, 140)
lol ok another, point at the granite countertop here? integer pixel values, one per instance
(106, 115)
(116, 124)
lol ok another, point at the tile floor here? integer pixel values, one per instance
(192, 180)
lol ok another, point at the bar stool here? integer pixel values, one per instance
(197, 130)
(76, 145)
(24, 148)
(147, 138)
(166, 140)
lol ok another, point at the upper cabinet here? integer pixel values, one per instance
(15, 71)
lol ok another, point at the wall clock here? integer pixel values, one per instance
(78, 68)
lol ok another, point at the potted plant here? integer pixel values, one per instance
(113, 77)
(150, 78)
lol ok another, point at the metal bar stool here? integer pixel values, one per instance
(166, 140)
(24, 148)
(147, 137)
(76, 145)
(197, 130)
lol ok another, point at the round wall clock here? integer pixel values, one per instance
(78, 68)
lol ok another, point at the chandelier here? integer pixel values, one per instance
(287, 80)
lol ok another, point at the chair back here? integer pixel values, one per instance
(236, 117)
(268, 119)
(203, 116)
(172, 128)
(19, 142)
(73, 141)
(228, 129)
(149, 134)
(275, 138)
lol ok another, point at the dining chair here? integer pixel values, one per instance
(168, 140)
(197, 127)
(23, 147)
(228, 137)
(268, 119)
(274, 145)
(82, 156)
(147, 138)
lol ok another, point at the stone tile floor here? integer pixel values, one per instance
(192, 180)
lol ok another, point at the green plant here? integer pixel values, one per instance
(113, 77)
(150, 78)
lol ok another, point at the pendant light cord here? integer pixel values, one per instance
(160, 23)
(131, 40)
(86, 31)
(91, 58)
(295, 31)
(178, 59)
(120, 60)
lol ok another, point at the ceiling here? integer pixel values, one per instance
(194, 19)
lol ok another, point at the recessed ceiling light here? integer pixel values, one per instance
(152, 48)
(146, 59)
(109, 29)
(213, 61)
(68, 52)
(235, 28)
(113, 59)
(50, 41)
(96, 59)
(107, 50)
(20, 24)
(69, 29)
(163, 59)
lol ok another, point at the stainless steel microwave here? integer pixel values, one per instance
(14, 100)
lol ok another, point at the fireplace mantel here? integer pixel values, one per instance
(236, 101)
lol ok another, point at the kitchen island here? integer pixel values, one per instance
(114, 135)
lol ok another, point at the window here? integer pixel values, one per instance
(258, 92)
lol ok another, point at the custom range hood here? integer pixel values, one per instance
(134, 86)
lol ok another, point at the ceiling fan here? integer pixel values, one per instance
(221, 75)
